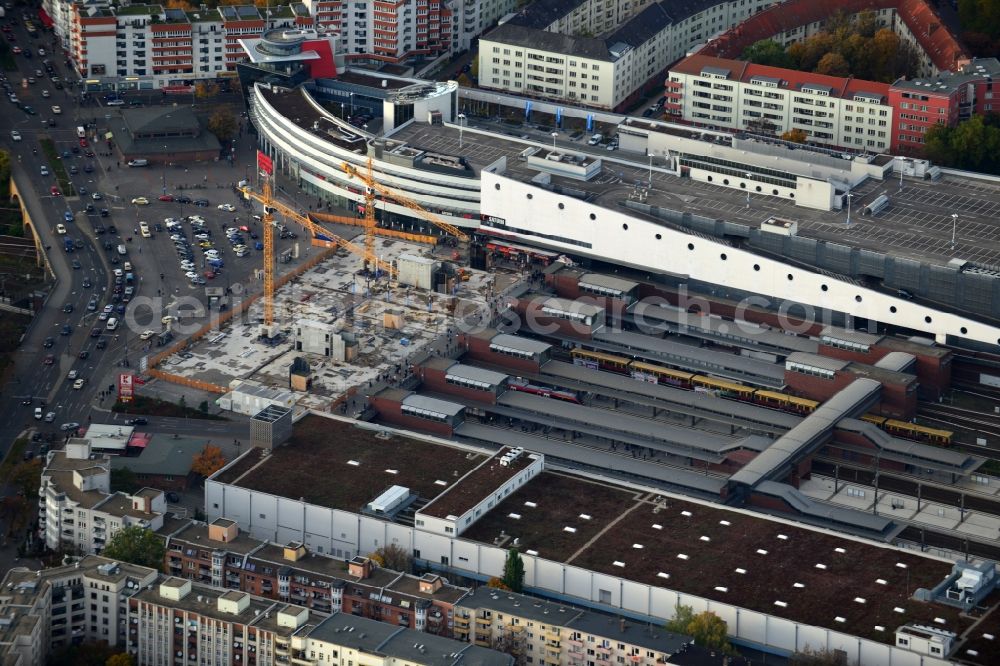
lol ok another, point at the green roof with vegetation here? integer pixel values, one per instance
(136, 10)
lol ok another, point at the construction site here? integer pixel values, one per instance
(351, 316)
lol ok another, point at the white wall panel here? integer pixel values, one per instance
(616, 237)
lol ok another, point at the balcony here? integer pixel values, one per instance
(483, 621)
(553, 661)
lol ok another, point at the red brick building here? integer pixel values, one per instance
(418, 412)
(218, 555)
(445, 375)
(517, 353)
(821, 377)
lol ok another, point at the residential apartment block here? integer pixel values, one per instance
(76, 510)
(864, 116)
(194, 623)
(218, 554)
(834, 111)
(539, 631)
(86, 601)
(595, 53)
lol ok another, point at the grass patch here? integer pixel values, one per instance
(13, 458)
(56, 163)
(147, 406)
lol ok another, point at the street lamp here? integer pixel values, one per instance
(749, 176)
(954, 228)
(849, 197)
(461, 122)
(352, 104)
(554, 135)
(650, 170)
(163, 177)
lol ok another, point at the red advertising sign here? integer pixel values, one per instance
(125, 390)
(264, 163)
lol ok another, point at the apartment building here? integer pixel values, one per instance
(77, 512)
(343, 640)
(86, 601)
(732, 94)
(948, 98)
(219, 555)
(176, 620)
(537, 631)
(596, 53)
(398, 31)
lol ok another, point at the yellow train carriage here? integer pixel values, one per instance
(723, 386)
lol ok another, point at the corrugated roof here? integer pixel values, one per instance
(433, 404)
(817, 361)
(475, 374)
(896, 361)
(522, 344)
(574, 307)
(849, 335)
(608, 282)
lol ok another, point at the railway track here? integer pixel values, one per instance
(980, 424)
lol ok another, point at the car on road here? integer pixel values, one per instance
(54, 191)
(228, 207)
(16, 49)
(44, 170)
(112, 229)
(50, 417)
(104, 213)
(73, 170)
(158, 227)
(15, 135)
(95, 332)
(83, 355)
(60, 229)
(56, 109)
(96, 196)
(101, 344)
(201, 202)
(139, 420)
(86, 283)
(198, 280)
(144, 230)
(183, 199)
(72, 425)
(49, 360)
(49, 342)
(76, 264)
(166, 197)
(146, 335)
(116, 102)
(66, 330)
(190, 275)
(67, 308)
(88, 168)
(108, 309)
(83, 142)
(68, 215)
(78, 384)
(73, 374)
(122, 250)
(140, 201)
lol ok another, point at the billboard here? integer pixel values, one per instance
(125, 390)
(264, 163)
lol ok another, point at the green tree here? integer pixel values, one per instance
(203, 406)
(27, 477)
(223, 125)
(136, 545)
(767, 52)
(85, 654)
(709, 630)
(120, 659)
(833, 64)
(513, 571)
(682, 618)
(205, 89)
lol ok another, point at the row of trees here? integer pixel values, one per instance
(846, 47)
(973, 144)
(980, 21)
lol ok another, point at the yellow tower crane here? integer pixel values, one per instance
(271, 206)
(372, 186)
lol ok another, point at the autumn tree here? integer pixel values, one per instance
(497, 584)
(795, 136)
(706, 628)
(818, 657)
(833, 64)
(982, 16)
(513, 571)
(120, 659)
(223, 125)
(392, 556)
(973, 144)
(205, 89)
(208, 462)
(136, 545)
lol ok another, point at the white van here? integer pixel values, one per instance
(112, 324)
(596, 139)
(80, 132)
(138, 163)
(38, 413)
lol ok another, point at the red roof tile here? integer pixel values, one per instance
(934, 38)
